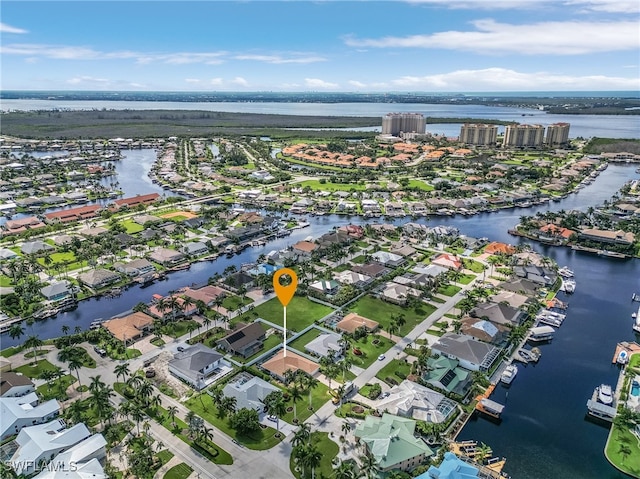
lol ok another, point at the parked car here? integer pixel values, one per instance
(180, 349)
(381, 357)
(150, 373)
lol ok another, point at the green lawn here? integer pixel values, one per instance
(316, 185)
(56, 389)
(131, 226)
(329, 450)
(231, 303)
(370, 351)
(164, 456)
(301, 341)
(390, 369)
(421, 185)
(359, 259)
(179, 328)
(474, 266)
(5, 281)
(621, 440)
(466, 278)
(319, 396)
(179, 471)
(34, 371)
(381, 311)
(301, 312)
(203, 406)
(449, 290)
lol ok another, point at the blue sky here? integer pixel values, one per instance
(362, 46)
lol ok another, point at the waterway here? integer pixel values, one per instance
(544, 433)
(586, 126)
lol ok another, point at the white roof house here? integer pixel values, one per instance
(199, 366)
(87, 470)
(19, 412)
(91, 450)
(324, 343)
(41, 442)
(410, 399)
(249, 391)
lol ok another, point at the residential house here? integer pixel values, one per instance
(353, 321)
(130, 327)
(391, 442)
(431, 270)
(15, 385)
(57, 291)
(324, 344)
(138, 200)
(98, 278)
(245, 340)
(23, 411)
(485, 331)
(196, 248)
(207, 294)
(90, 450)
(398, 293)
(472, 354)
(511, 298)
(7, 254)
(137, 267)
(451, 467)
(610, 237)
(352, 278)
(199, 366)
(412, 400)
(87, 470)
(499, 313)
(167, 257)
(448, 261)
(536, 274)
(279, 364)
(249, 391)
(36, 247)
(45, 441)
(405, 251)
(373, 270)
(447, 375)
(328, 287)
(304, 248)
(521, 286)
(496, 247)
(389, 260)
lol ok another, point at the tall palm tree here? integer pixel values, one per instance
(368, 466)
(302, 435)
(122, 370)
(172, 411)
(296, 393)
(33, 343)
(346, 470)
(16, 331)
(312, 458)
(75, 363)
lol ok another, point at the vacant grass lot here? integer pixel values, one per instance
(327, 448)
(306, 338)
(371, 347)
(33, 371)
(316, 185)
(382, 312)
(390, 369)
(301, 312)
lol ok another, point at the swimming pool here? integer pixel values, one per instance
(635, 388)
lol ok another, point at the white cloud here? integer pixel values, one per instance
(88, 80)
(357, 84)
(215, 81)
(277, 59)
(240, 81)
(610, 6)
(192, 80)
(317, 83)
(4, 28)
(546, 38)
(501, 79)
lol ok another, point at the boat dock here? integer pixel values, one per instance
(599, 410)
(486, 405)
(627, 347)
(526, 356)
(470, 452)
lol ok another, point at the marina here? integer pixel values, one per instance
(509, 374)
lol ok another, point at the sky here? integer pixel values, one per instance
(321, 46)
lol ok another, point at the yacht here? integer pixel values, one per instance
(605, 394)
(565, 272)
(509, 374)
(568, 285)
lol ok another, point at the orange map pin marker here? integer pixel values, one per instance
(285, 293)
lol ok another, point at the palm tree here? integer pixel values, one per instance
(96, 384)
(368, 466)
(276, 406)
(346, 427)
(75, 363)
(33, 342)
(302, 435)
(65, 329)
(122, 370)
(312, 458)
(624, 451)
(205, 433)
(47, 375)
(296, 393)
(16, 331)
(346, 470)
(172, 411)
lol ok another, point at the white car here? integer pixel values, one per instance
(381, 357)
(271, 417)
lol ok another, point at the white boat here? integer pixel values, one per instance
(636, 323)
(605, 394)
(509, 374)
(565, 272)
(568, 286)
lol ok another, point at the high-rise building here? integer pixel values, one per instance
(478, 134)
(396, 123)
(557, 134)
(523, 136)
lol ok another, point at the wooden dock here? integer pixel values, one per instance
(629, 347)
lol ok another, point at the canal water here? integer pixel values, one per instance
(544, 433)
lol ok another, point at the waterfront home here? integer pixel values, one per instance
(499, 313)
(15, 385)
(137, 267)
(199, 366)
(485, 331)
(448, 261)
(196, 248)
(207, 294)
(358, 280)
(412, 400)
(23, 411)
(447, 375)
(496, 247)
(279, 364)
(73, 214)
(536, 274)
(167, 257)
(135, 201)
(170, 312)
(610, 237)
(245, 340)
(239, 279)
(472, 354)
(56, 291)
(554, 234)
(36, 247)
(388, 260)
(249, 391)
(513, 299)
(390, 440)
(353, 321)
(451, 467)
(304, 248)
(327, 287)
(130, 327)
(324, 344)
(98, 278)
(521, 286)
(44, 441)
